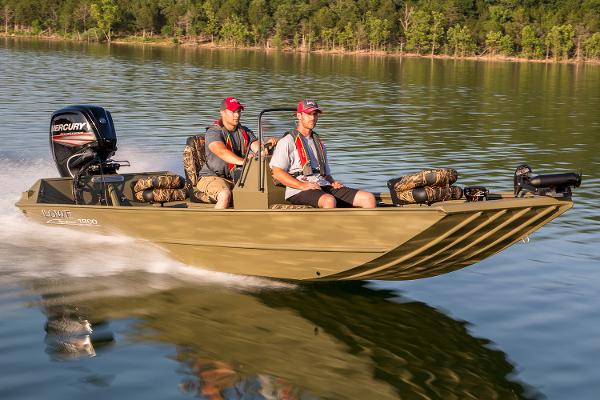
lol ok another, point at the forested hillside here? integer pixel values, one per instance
(555, 29)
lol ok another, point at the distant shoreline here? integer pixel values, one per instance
(168, 42)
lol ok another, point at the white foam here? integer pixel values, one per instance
(32, 250)
(150, 162)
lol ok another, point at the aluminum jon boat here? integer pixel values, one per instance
(263, 236)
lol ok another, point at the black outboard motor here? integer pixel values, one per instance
(83, 139)
(82, 136)
(553, 185)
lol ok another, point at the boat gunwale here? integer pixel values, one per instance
(448, 207)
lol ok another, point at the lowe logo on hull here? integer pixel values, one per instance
(65, 217)
(64, 214)
(75, 126)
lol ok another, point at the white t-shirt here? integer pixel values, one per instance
(285, 156)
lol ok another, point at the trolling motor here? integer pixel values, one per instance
(82, 139)
(553, 185)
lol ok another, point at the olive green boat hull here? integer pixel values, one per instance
(388, 243)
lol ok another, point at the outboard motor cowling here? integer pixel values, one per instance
(83, 139)
(82, 134)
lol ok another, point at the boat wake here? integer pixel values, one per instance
(33, 251)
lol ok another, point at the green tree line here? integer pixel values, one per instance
(556, 29)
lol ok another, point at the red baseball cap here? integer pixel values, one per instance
(308, 106)
(231, 104)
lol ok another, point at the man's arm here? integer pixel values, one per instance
(289, 181)
(271, 142)
(221, 151)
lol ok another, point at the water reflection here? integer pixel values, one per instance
(217, 380)
(69, 336)
(341, 340)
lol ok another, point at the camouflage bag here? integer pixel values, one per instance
(161, 195)
(428, 195)
(159, 182)
(194, 158)
(160, 189)
(427, 177)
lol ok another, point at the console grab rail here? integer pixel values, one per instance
(261, 168)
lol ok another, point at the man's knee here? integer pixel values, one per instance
(215, 190)
(327, 201)
(224, 194)
(223, 198)
(364, 199)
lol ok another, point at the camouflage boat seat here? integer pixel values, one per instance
(425, 187)
(194, 157)
(160, 189)
(429, 194)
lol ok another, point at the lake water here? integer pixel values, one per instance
(522, 324)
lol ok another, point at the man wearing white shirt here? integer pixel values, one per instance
(300, 163)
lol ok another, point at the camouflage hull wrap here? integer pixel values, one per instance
(427, 177)
(160, 189)
(159, 182)
(161, 195)
(429, 194)
(194, 158)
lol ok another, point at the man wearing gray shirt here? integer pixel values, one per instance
(227, 143)
(300, 163)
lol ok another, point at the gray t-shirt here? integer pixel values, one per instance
(214, 165)
(285, 156)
